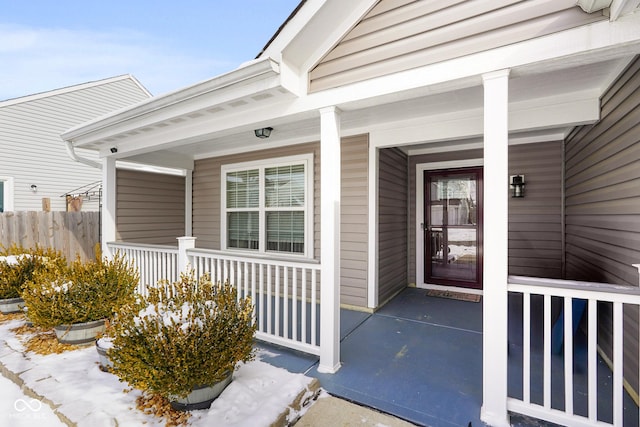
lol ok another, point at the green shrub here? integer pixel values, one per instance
(84, 292)
(182, 336)
(19, 265)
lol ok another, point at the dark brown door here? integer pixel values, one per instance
(453, 227)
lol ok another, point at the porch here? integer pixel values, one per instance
(419, 357)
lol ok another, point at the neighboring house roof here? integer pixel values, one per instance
(561, 60)
(31, 150)
(73, 88)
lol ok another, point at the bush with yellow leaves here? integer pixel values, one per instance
(182, 336)
(18, 265)
(84, 292)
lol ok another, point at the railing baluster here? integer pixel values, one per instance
(592, 355)
(568, 355)
(269, 303)
(277, 299)
(526, 347)
(253, 288)
(313, 308)
(617, 364)
(261, 310)
(285, 300)
(304, 305)
(547, 352)
(294, 302)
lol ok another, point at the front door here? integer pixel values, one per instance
(453, 227)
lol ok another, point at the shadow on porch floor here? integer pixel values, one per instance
(418, 358)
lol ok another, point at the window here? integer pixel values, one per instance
(267, 206)
(6, 194)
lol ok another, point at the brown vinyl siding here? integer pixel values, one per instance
(354, 220)
(535, 221)
(603, 203)
(393, 216)
(206, 206)
(398, 35)
(149, 207)
(413, 161)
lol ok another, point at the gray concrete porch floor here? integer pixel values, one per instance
(419, 358)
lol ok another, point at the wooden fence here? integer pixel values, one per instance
(73, 233)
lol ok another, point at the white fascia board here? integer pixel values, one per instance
(178, 102)
(328, 24)
(292, 29)
(619, 8)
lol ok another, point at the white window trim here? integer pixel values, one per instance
(7, 181)
(307, 160)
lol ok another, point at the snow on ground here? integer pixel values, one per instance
(19, 410)
(84, 394)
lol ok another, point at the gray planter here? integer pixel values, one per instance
(79, 333)
(11, 305)
(102, 345)
(201, 397)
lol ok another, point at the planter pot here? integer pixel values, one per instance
(201, 397)
(79, 333)
(11, 305)
(102, 345)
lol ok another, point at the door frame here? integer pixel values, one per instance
(419, 218)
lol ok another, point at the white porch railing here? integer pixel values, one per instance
(154, 262)
(570, 293)
(285, 293)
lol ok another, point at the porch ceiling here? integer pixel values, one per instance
(531, 95)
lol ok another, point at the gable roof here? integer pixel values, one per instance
(570, 66)
(69, 89)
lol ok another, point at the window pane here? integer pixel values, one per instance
(285, 231)
(243, 189)
(242, 230)
(284, 186)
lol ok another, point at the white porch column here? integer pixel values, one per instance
(495, 261)
(108, 204)
(188, 203)
(184, 243)
(330, 162)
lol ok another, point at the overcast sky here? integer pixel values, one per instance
(165, 44)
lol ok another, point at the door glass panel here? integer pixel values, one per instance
(452, 228)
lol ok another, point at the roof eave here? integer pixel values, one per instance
(255, 70)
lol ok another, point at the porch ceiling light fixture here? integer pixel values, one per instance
(516, 182)
(263, 133)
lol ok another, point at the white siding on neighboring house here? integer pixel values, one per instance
(32, 152)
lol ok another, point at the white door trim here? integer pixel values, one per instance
(420, 168)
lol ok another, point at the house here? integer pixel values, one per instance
(34, 163)
(392, 137)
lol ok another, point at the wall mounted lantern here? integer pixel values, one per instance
(113, 150)
(34, 188)
(517, 185)
(263, 133)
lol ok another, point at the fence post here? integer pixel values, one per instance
(184, 243)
